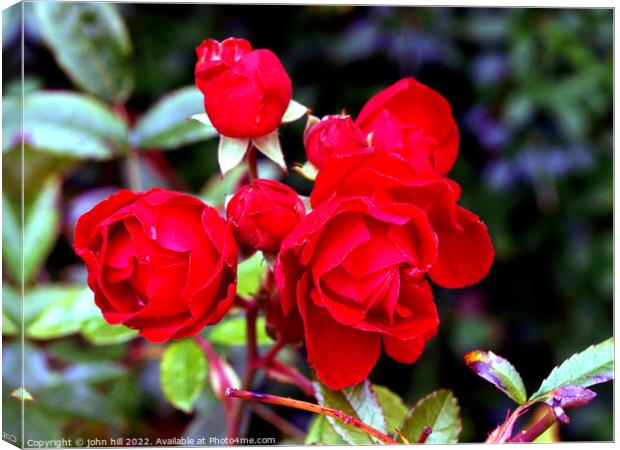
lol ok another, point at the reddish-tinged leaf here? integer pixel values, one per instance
(499, 372)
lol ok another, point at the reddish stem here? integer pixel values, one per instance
(311, 407)
(251, 311)
(535, 430)
(251, 160)
(426, 432)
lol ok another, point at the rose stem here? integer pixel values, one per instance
(252, 169)
(277, 421)
(311, 407)
(426, 432)
(213, 360)
(132, 161)
(535, 430)
(296, 377)
(251, 312)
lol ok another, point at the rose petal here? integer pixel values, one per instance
(341, 356)
(465, 255)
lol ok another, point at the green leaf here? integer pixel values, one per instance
(592, 366)
(230, 153)
(269, 145)
(360, 402)
(11, 239)
(91, 43)
(498, 371)
(99, 332)
(41, 231)
(321, 432)
(250, 274)
(183, 372)
(9, 328)
(93, 372)
(232, 331)
(294, 111)
(57, 310)
(169, 124)
(439, 411)
(392, 406)
(64, 123)
(42, 226)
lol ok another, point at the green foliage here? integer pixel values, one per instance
(321, 432)
(91, 43)
(183, 372)
(42, 226)
(57, 310)
(11, 238)
(439, 411)
(392, 406)
(360, 402)
(499, 372)
(9, 328)
(250, 274)
(99, 332)
(592, 366)
(167, 125)
(64, 123)
(232, 331)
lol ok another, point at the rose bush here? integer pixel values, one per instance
(246, 92)
(158, 261)
(262, 213)
(354, 268)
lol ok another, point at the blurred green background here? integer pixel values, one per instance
(531, 90)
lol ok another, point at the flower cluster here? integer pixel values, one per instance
(384, 220)
(352, 274)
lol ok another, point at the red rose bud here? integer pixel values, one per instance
(161, 262)
(415, 121)
(262, 213)
(333, 135)
(354, 269)
(246, 92)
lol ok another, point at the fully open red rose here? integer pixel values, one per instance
(414, 121)
(335, 134)
(262, 213)
(161, 262)
(246, 91)
(355, 269)
(465, 251)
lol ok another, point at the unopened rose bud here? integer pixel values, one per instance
(333, 135)
(262, 213)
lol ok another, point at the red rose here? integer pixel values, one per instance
(161, 262)
(246, 91)
(355, 268)
(262, 213)
(333, 135)
(414, 121)
(465, 251)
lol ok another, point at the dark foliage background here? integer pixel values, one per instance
(531, 90)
